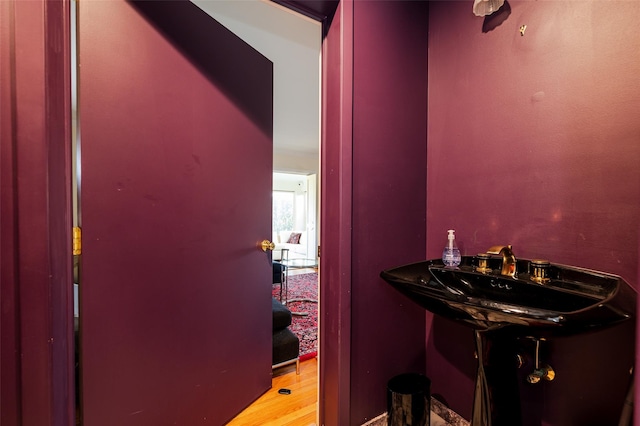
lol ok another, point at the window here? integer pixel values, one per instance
(283, 210)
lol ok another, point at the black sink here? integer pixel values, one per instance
(574, 300)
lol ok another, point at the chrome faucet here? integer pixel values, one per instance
(508, 259)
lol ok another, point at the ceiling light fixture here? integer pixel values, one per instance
(486, 7)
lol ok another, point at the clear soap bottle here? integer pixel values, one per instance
(451, 253)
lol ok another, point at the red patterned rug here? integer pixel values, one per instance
(303, 286)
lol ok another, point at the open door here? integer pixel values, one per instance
(175, 120)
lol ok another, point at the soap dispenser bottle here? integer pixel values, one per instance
(451, 253)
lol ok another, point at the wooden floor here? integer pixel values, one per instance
(274, 409)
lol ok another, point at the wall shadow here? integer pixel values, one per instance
(491, 22)
(230, 63)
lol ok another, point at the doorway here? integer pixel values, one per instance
(290, 155)
(293, 43)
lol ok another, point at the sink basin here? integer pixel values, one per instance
(575, 300)
(564, 300)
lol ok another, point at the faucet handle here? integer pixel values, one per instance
(539, 270)
(483, 263)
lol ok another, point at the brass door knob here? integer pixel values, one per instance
(267, 245)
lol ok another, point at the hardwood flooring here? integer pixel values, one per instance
(296, 409)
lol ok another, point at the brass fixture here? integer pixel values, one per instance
(508, 259)
(540, 271)
(267, 245)
(483, 263)
(77, 241)
(541, 371)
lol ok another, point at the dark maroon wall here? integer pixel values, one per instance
(373, 203)
(534, 141)
(389, 89)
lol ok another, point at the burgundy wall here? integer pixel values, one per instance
(389, 87)
(534, 141)
(373, 202)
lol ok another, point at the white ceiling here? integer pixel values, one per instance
(292, 42)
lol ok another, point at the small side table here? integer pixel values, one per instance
(283, 252)
(296, 264)
(279, 275)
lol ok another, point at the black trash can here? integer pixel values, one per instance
(409, 400)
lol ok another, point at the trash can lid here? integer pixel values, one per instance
(409, 383)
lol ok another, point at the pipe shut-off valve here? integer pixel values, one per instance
(541, 371)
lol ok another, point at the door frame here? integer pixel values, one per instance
(36, 350)
(334, 394)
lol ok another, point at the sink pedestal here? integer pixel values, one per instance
(496, 400)
(481, 414)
